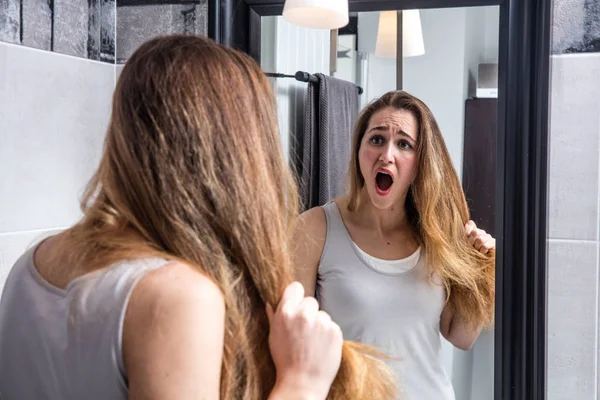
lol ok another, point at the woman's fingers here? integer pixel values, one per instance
(488, 244)
(291, 299)
(306, 345)
(308, 311)
(470, 227)
(478, 238)
(309, 305)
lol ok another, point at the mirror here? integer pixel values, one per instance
(454, 72)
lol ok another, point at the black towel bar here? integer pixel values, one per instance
(302, 77)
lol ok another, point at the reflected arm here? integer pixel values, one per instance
(307, 246)
(456, 331)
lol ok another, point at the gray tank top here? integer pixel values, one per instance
(65, 344)
(391, 305)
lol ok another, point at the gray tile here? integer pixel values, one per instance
(201, 25)
(94, 29)
(576, 26)
(54, 111)
(574, 144)
(572, 318)
(71, 27)
(567, 24)
(101, 30)
(37, 24)
(592, 26)
(137, 24)
(108, 30)
(81, 28)
(10, 25)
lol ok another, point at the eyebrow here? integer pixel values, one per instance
(386, 129)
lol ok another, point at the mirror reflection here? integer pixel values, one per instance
(384, 243)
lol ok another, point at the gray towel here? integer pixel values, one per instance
(322, 153)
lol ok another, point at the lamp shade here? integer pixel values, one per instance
(317, 14)
(412, 34)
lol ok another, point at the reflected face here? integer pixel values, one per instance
(388, 156)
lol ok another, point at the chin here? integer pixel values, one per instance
(381, 206)
(381, 202)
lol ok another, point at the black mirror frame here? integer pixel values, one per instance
(521, 191)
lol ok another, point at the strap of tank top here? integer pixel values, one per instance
(134, 271)
(334, 219)
(111, 290)
(338, 237)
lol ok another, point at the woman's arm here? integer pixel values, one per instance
(457, 332)
(173, 336)
(452, 327)
(307, 246)
(173, 340)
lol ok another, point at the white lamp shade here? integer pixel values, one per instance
(412, 34)
(317, 14)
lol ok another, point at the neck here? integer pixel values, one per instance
(384, 221)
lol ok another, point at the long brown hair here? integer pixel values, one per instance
(437, 210)
(192, 170)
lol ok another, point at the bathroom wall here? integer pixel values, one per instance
(80, 28)
(574, 202)
(137, 22)
(57, 76)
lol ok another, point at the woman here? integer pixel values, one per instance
(391, 262)
(164, 289)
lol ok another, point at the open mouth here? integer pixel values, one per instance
(383, 183)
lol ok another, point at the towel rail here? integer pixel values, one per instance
(302, 77)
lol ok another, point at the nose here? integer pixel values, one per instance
(387, 154)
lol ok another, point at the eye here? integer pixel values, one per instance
(403, 144)
(376, 140)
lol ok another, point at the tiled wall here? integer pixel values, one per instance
(104, 30)
(137, 23)
(574, 202)
(81, 28)
(54, 111)
(57, 75)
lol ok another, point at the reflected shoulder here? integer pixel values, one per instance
(312, 222)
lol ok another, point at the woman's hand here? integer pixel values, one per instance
(479, 239)
(306, 346)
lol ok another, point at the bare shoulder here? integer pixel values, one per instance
(173, 335)
(177, 282)
(178, 288)
(307, 246)
(312, 223)
(310, 233)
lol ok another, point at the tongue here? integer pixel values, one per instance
(384, 181)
